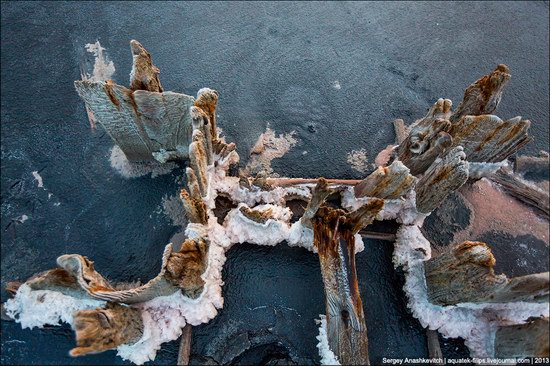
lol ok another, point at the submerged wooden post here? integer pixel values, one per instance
(334, 237)
(531, 339)
(465, 274)
(524, 192)
(434, 349)
(185, 345)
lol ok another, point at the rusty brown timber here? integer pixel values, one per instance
(527, 193)
(441, 179)
(334, 237)
(487, 138)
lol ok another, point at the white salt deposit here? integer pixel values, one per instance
(103, 68)
(129, 169)
(480, 170)
(38, 179)
(327, 356)
(44, 307)
(241, 229)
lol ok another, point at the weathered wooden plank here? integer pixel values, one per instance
(531, 339)
(112, 108)
(389, 182)
(464, 273)
(442, 178)
(334, 237)
(531, 195)
(487, 138)
(166, 119)
(483, 96)
(106, 328)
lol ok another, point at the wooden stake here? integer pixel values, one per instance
(185, 345)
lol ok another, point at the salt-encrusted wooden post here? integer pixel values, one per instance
(428, 138)
(106, 328)
(487, 138)
(318, 196)
(389, 182)
(207, 101)
(441, 179)
(185, 345)
(334, 237)
(531, 339)
(483, 96)
(198, 160)
(465, 273)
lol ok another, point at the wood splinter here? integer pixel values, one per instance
(334, 237)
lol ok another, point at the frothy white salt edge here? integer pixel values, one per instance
(43, 307)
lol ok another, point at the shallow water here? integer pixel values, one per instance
(273, 64)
